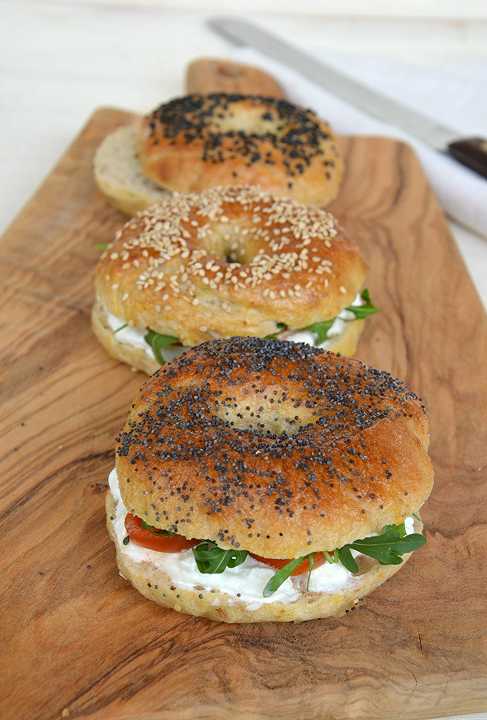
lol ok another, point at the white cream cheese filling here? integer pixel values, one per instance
(338, 327)
(133, 336)
(244, 583)
(128, 335)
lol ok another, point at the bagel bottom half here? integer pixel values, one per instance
(345, 343)
(156, 585)
(130, 354)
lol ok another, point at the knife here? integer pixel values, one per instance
(471, 151)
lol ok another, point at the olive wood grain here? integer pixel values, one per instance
(77, 640)
(205, 75)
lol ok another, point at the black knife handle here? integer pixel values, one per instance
(471, 152)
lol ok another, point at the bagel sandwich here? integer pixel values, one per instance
(230, 261)
(200, 141)
(258, 480)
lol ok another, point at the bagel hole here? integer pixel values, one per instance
(270, 413)
(232, 256)
(234, 244)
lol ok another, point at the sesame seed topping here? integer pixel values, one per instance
(174, 253)
(179, 252)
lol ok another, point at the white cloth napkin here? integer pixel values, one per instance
(455, 97)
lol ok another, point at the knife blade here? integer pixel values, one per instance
(471, 152)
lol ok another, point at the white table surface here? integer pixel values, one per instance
(60, 60)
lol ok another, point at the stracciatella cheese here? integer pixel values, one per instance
(244, 583)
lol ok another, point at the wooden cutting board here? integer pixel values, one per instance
(76, 640)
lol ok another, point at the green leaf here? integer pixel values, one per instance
(387, 548)
(388, 552)
(158, 342)
(211, 559)
(101, 246)
(331, 557)
(280, 328)
(311, 564)
(156, 531)
(320, 330)
(363, 311)
(345, 557)
(120, 328)
(282, 575)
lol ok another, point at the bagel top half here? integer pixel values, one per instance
(229, 261)
(277, 448)
(198, 141)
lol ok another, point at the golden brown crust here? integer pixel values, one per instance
(230, 261)
(345, 343)
(213, 75)
(157, 586)
(274, 447)
(200, 141)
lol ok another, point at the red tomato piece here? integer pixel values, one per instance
(318, 558)
(154, 540)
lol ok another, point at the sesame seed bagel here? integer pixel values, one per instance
(230, 261)
(273, 447)
(200, 141)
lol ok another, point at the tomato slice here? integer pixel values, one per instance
(154, 540)
(318, 558)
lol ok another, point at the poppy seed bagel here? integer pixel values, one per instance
(278, 448)
(198, 141)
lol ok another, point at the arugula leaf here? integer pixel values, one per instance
(211, 559)
(101, 246)
(320, 329)
(282, 575)
(280, 328)
(331, 557)
(158, 342)
(345, 557)
(388, 552)
(387, 548)
(363, 311)
(311, 564)
(156, 531)
(120, 328)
